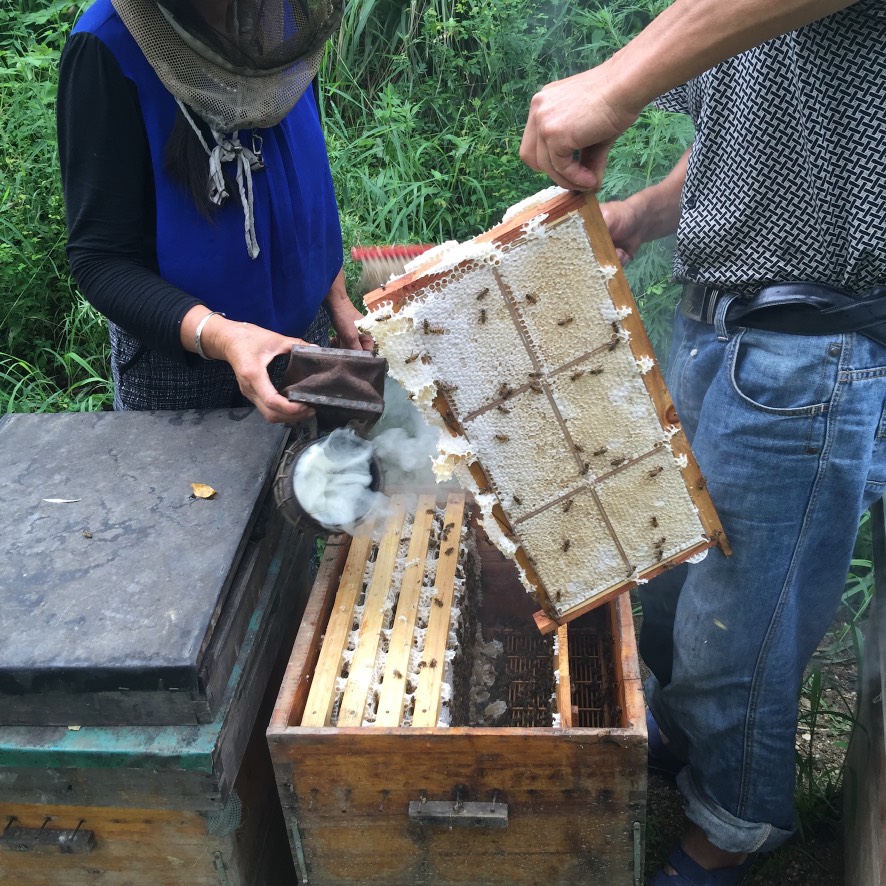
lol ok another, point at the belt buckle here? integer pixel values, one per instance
(699, 302)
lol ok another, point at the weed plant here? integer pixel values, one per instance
(53, 341)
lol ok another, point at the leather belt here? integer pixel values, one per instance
(794, 308)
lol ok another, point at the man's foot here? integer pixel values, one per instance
(698, 862)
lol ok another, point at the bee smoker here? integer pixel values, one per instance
(346, 389)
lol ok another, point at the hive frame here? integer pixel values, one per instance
(503, 520)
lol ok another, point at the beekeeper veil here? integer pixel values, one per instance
(237, 64)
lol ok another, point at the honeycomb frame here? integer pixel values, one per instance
(525, 346)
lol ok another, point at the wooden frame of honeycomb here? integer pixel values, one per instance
(526, 345)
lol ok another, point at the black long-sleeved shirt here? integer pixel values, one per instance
(109, 194)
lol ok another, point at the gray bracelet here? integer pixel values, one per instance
(199, 331)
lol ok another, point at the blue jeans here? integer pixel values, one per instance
(790, 433)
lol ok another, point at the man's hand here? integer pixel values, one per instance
(647, 215)
(572, 124)
(624, 228)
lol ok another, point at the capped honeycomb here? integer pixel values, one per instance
(525, 346)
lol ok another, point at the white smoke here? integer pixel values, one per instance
(332, 479)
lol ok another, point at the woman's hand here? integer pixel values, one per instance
(344, 316)
(248, 349)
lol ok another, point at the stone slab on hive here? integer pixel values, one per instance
(526, 347)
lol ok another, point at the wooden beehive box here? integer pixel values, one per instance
(372, 802)
(526, 346)
(137, 599)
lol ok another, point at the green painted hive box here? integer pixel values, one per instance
(141, 631)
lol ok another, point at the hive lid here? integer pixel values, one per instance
(115, 579)
(524, 345)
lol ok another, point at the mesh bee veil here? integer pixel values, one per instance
(239, 64)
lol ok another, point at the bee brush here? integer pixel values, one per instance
(380, 263)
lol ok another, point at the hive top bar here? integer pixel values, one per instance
(526, 348)
(114, 573)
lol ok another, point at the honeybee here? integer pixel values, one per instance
(535, 386)
(577, 374)
(505, 390)
(483, 294)
(438, 602)
(597, 370)
(448, 552)
(517, 499)
(567, 505)
(654, 472)
(432, 663)
(613, 343)
(482, 315)
(702, 484)
(620, 460)
(502, 408)
(397, 674)
(601, 451)
(584, 469)
(653, 521)
(565, 546)
(532, 299)
(411, 358)
(381, 318)
(425, 358)
(502, 438)
(577, 447)
(565, 321)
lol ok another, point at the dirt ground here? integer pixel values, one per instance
(814, 856)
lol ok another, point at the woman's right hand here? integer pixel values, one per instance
(248, 349)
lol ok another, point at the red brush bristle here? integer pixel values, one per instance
(410, 250)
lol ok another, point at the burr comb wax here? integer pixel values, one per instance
(332, 479)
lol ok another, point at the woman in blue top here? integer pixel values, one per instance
(201, 214)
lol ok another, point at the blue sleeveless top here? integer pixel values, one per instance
(296, 217)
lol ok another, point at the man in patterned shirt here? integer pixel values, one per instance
(782, 196)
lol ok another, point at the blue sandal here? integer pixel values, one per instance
(659, 758)
(690, 873)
